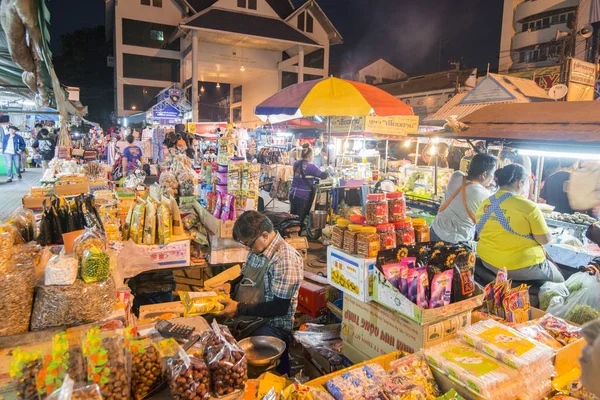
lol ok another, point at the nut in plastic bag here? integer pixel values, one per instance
(188, 377)
(146, 369)
(228, 365)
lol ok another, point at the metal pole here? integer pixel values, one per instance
(435, 173)
(328, 141)
(538, 178)
(387, 142)
(195, 100)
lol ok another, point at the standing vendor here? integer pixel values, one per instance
(270, 280)
(302, 190)
(554, 191)
(455, 221)
(512, 231)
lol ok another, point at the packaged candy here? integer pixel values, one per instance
(303, 392)
(507, 345)
(563, 332)
(392, 273)
(423, 288)
(484, 375)
(406, 263)
(516, 305)
(441, 289)
(411, 378)
(533, 331)
(463, 283)
(451, 395)
(412, 281)
(360, 383)
(218, 206)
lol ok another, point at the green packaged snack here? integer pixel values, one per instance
(95, 266)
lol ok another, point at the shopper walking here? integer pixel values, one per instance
(554, 191)
(46, 147)
(302, 190)
(455, 221)
(512, 231)
(12, 147)
(132, 156)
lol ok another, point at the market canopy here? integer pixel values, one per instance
(330, 97)
(556, 123)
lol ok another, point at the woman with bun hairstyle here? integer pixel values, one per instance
(512, 231)
(301, 192)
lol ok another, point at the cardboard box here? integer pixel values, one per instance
(35, 203)
(375, 330)
(350, 274)
(312, 299)
(384, 293)
(222, 229)
(72, 189)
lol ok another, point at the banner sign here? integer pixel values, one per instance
(385, 127)
(582, 80)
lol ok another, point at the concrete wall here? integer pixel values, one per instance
(380, 69)
(254, 93)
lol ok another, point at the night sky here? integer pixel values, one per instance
(407, 33)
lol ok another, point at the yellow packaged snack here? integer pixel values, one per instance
(201, 303)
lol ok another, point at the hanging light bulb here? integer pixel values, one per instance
(218, 85)
(202, 88)
(242, 68)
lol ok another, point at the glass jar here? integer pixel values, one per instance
(422, 234)
(337, 233)
(396, 207)
(350, 238)
(367, 242)
(387, 236)
(405, 233)
(377, 209)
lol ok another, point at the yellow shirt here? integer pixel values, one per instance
(501, 248)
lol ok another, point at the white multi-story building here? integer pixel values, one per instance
(535, 32)
(256, 46)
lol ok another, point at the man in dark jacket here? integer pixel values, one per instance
(45, 146)
(12, 147)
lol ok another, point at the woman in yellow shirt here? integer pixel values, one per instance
(512, 231)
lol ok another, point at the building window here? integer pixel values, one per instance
(555, 19)
(525, 28)
(237, 94)
(309, 23)
(241, 3)
(252, 4)
(151, 68)
(563, 18)
(538, 24)
(148, 34)
(545, 22)
(301, 21)
(522, 56)
(157, 3)
(157, 35)
(145, 2)
(139, 97)
(237, 114)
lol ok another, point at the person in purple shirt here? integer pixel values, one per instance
(132, 156)
(302, 190)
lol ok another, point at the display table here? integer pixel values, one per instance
(568, 257)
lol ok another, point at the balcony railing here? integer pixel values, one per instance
(534, 7)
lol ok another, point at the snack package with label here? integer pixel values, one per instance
(482, 374)
(303, 392)
(451, 395)
(411, 378)
(533, 331)
(517, 307)
(507, 345)
(201, 303)
(441, 289)
(360, 383)
(560, 330)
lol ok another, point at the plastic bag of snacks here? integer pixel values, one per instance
(136, 224)
(533, 331)
(7, 240)
(109, 363)
(365, 382)
(146, 369)
(227, 362)
(163, 226)
(149, 235)
(68, 392)
(188, 377)
(201, 303)
(95, 266)
(16, 286)
(169, 182)
(61, 270)
(88, 239)
(583, 303)
(127, 223)
(560, 330)
(25, 367)
(507, 345)
(24, 221)
(77, 304)
(410, 377)
(551, 290)
(303, 392)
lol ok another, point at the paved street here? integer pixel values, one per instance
(11, 193)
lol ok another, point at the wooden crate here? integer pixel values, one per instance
(222, 229)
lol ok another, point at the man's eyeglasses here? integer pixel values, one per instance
(249, 245)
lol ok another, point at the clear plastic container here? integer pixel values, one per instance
(367, 242)
(387, 236)
(350, 238)
(337, 233)
(405, 233)
(396, 207)
(377, 209)
(422, 233)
